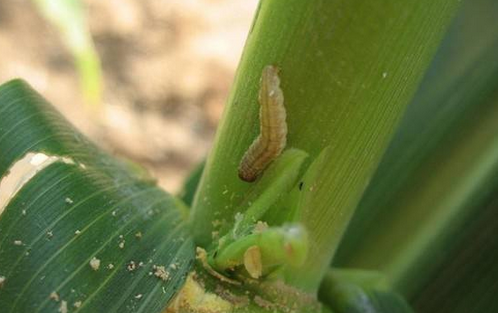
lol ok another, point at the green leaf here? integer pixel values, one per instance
(440, 169)
(347, 69)
(278, 180)
(466, 276)
(81, 209)
(359, 291)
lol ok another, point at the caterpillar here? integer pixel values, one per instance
(273, 128)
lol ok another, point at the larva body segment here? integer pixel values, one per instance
(273, 128)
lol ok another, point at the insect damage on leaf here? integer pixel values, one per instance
(95, 264)
(252, 262)
(273, 128)
(195, 299)
(22, 171)
(260, 252)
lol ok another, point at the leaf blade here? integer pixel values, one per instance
(84, 206)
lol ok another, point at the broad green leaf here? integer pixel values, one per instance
(347, 69)
(440, 167)
(466, 279)
(82, 231)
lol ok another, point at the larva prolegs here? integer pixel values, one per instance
(273, 128)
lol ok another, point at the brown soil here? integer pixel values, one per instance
(167, 69)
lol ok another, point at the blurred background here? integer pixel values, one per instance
(166, 69)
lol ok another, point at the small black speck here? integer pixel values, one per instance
(301, 185)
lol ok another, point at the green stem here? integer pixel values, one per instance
(348, 70)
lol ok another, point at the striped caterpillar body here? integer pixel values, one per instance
(273, 128)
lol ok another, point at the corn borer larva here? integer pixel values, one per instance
(273, 128)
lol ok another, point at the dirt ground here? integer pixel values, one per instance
(167, 66)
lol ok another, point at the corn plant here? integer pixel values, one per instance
(353, 171)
